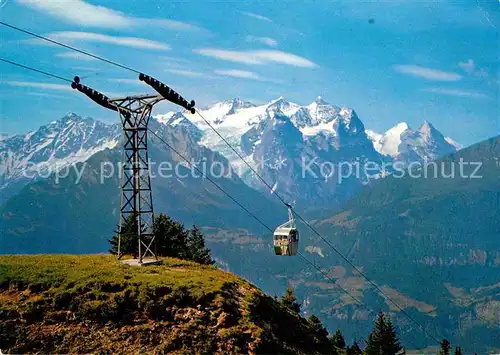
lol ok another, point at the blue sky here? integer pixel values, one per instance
(415, 61)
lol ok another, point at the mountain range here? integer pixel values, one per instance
(430, 243)
(299, 150)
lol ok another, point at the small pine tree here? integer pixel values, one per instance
(383, 339)
(317, 327)
(458, 351)
(445, 347)
(372, 346)
(171, 237)
(319, 333)
(290, 301)
(338, 340)
(354, 349)
(390, 342)
(196, 247)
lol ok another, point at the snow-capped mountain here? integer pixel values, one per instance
(304, 152)
(69, 140)
(407, 145)
(288, 144)
(328, 135)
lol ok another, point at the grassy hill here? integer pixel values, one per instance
(93, 303)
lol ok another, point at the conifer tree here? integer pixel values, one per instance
(338, 340)
(317, 327)
(383, 339)
(290, 301)
(319, 333)
(171, 237)
(445, 347)
(354, 349)
(390, 342)
(458, 351)
(196, 247)
(372, 346)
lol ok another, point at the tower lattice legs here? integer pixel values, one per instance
(136, 196)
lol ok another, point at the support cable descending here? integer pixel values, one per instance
(69, 47)
(36, 70)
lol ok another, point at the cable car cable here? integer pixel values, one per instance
(69, 47)
(35, 70)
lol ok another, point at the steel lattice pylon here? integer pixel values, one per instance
(136, 197)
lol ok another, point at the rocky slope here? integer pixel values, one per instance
(90, 304)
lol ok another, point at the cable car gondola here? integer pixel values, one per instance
(286, 237)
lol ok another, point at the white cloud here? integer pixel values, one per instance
(174, 59)
(133, 42)
(427, 73)
(86, 69)
(469, 66)
(37, 85)
(264, 40)
(456, 92)
(239, 74)
(188, 73)
(81, 13)
(243, 74)
(257, 57)
(257, 16)
(75, 55)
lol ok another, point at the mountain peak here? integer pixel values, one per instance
(427, 127)
(281, 104)
(237, 104)
(429, 132)
(71, 115)
(319, 101)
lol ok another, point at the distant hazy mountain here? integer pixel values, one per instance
(56, 145)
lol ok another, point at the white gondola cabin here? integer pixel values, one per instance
(286, 237)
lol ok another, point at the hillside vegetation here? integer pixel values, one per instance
(435, 240)
(85, 304)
